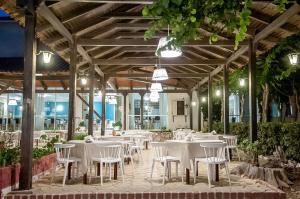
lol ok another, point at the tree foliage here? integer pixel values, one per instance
(187, 17)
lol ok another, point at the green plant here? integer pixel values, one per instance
(186, 18)
(9, 156)
(79, 136)
(117, 124)
(81, 124)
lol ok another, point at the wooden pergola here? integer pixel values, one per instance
(104, 39)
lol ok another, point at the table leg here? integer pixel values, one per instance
(69, 170)
(187, 176)
(146, 145)
(230, 154)
(196, 168)
(98, 169)
(115, 171)
(85, 178)
(217, 172)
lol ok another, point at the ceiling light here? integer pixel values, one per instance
(218, 92)
(99, 93)
(156, 87)
(83, 80)
(154, 96)
(160, 74)
(59, 108)
(293, 57)
(242, 82)
(12, 102)
(47, 56)
(164, 49)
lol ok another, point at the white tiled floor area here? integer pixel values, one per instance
(138, 180)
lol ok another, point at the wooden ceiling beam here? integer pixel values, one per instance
(278, 22)
(44, 11)
(150, 82)
(44, 85)
(44, 77)
(165, 61)
(151, 42)
(149, 75)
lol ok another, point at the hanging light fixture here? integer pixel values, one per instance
(160, 74)
(99, 93)
(156, 87)
(242, 82)
(293, 57)
(12, 102)
(146, 97)
(167, 50)
(218, 92)
(47, 55)
(194, 103)
(83, 80)
(203, 99)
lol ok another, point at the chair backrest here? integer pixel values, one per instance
(63, 151)
(214, 152)
(126, 146)
(111, 151)
(138, 140)
(231, 140)
(160, 149)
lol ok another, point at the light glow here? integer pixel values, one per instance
(293, 57)
(194, 103)
(218, 93)
(156, 87)
(203, 99)
(47, 56)
(12, 102)
(242, 82)
(83, 80)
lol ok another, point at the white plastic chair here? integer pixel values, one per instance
(63, 158)
(214, 155)
(127, 151)
(109, 155)
(138, 145)
(231, 141)
(161, 156)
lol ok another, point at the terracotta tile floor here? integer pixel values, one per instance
(138, 180)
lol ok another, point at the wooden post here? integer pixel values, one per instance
(191, 109)
(72, 93)
(252, 91)
(124, 111)
(226, 100)
(25, 179)
(142, 109)
(199, 109)
(103, 118)
(209, 101)
(91, 99)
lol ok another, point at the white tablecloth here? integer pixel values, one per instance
(187, 150)
(86, 151)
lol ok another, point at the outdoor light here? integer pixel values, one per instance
(160, 74)
(59, 108)
(46, 56)
(156, 87)
(99, 93)
(218, 92)
(164, 49)
(242, 82)
(83, 80)
(293, 57)
(21, 108)
(203, 99)
(194, 103)
(12, 102)
(112, 101)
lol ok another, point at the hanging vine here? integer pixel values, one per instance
(187, 17)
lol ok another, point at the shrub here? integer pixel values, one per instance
(79, 136)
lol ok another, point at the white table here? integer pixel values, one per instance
(188, 150)
(86, 151)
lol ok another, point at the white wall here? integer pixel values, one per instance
(178, 121)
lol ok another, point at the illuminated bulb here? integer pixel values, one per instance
(156, 87)
(47, 57)
(83, 81)
(194, 103)
(218, 92)
(242, 82)
(59, 108)
(293, 57)
(203, 99)
(99, 93)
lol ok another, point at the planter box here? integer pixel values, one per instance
(9, 176)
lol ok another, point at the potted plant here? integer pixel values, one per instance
(81, 126)
(117, 125)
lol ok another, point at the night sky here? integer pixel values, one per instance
(11, 37)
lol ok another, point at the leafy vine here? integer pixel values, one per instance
(188, 17)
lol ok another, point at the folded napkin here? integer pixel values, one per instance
(88, 139)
